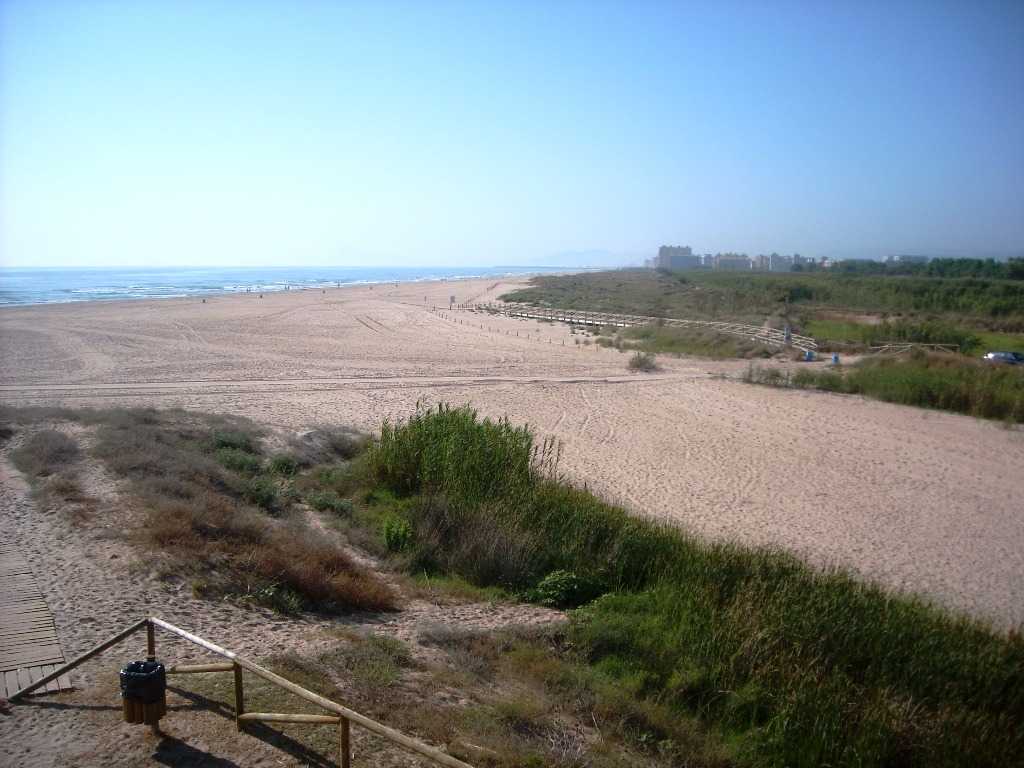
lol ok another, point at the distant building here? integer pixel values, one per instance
(777, 263)
(907, 258)
(676, 257)
(732, 262)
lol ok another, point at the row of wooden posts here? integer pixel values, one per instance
(340, 715)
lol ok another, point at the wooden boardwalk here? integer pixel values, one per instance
(29, 648)
(763, 334)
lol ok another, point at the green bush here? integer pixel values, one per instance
(284, 464)
(324, 501)
(238, 460)
(564, 589)
(944, 382)
(279, 598)
(397, 533)
(261, 491)
(233, 439)
(447, 450)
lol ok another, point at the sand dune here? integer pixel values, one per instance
(919, 500)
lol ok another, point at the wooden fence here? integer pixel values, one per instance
(899, 348)
(760, 334)
(340, 716)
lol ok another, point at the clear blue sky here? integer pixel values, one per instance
(248, 133)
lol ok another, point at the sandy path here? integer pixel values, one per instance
(919, 500)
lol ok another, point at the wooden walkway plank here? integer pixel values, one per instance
(29, 647)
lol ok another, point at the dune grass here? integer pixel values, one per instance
(943, 382)
(217, 511)
(211, 499)
(659, 339)
(791, 666)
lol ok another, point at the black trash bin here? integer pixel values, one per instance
(144, 692)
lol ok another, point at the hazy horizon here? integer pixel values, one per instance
(158, 134)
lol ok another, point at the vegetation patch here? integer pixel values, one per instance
(215, 513)
(976, 303)
(643, 361)
(943, 382)
(788, 665)
(46, 452)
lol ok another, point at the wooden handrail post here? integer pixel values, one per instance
(345, 757)
(150, 642)
(239, 696)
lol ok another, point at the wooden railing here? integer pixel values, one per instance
(761, 334)
(900, 347)
(340, 715)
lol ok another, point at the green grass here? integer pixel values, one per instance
(656, 339)
(991, 341)
(942, 382)
(825, 329)
(789, 665)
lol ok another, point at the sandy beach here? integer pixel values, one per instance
(917, 500)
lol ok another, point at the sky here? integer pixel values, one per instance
(251, 133)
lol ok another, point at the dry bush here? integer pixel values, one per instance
(201, 513)
(326, 445)
(324, 575)
(643, 361)
(45, 453)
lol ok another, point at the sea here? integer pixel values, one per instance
(58, 286)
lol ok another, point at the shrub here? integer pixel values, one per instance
(261, 491)
(198, 516)
(284, 464)
(45, 453)
(564, 589)
(233, 439)
(397, 533)
(946, 382)
(643, 361)
(370, 662)
(238, 460)
(326, 444)
(323, 501)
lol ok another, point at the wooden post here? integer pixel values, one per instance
(239, 705)
(345, 757)
(150, 642)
